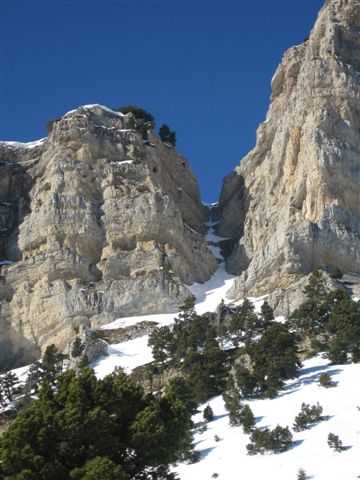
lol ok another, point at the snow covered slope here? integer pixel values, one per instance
(228, 457)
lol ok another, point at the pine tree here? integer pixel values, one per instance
(335, 443)
(302, 475)
(3, 401)
(33, 378)
(247, 419)
(267, 315)
(262, 440)
(326, 381)
(8, 383)
(99, 468)
(308, 416)
(161, 340)
(52, 363)
(77, 348)
(129, 433)
(167, 135)
(244, 325)
(274, 359)
(179, 388)
(232, 401)
(208, 414)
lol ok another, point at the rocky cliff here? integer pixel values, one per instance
(293, 204)
(95, 224)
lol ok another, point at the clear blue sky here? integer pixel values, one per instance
(202, 66)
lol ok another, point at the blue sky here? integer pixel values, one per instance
(203, 67)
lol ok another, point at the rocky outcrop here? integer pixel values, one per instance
(86, 346)
(99, 224)
(293, 204)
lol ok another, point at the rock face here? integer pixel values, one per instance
(293, 204)
(99, 225)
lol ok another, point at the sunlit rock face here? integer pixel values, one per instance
(293, 204)
(99, 224)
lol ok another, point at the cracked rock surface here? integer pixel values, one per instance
(98, 225)
(293, 204)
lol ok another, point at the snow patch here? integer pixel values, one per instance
(228, 457)
(93, 106)
(24, 145)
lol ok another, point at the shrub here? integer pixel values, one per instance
(326, 381)
(302, 475)
(335, 443)
(274, 359)
(129, 433)
(247, 419)
(232, 402)
(77, 348)
(308, 416)
(139, 113)
(263, 440)
(167, 136)
(208, 414)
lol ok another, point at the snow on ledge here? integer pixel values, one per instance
(92, 107)
(24, 145)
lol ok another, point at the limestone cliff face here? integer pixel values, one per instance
(294, 201)
(98, 226)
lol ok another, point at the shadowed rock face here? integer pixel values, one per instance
(294, 201)
(98, 225)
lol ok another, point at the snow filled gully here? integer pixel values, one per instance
(134, 353)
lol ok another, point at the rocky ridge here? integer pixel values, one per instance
(95, 224)
(293, 203)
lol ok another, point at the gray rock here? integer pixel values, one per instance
(99, 226)
(293, 203)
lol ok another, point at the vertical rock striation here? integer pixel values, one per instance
(98, 225)
(293, 204)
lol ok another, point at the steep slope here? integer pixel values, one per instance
(99, 224)
(228, 457)
(293, 203)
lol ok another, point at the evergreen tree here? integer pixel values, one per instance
(247, 419)
(167, 135)
(99, 468)
(308, 416)
(3, 401)
(77, 348)
(179, 388)
(246, 381)
(277, 440)
(343, 328)
(60, 435)
(33, 378)
(244, 325)
(141, 116)
(302, 475)
(335, 443)
(326, 381)
(161, 340)
(267, 315)
(52, 363)
(274, 359)
(208, 414)
(205, 370)
(8, 382)
(311, 318)
(232, 401)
